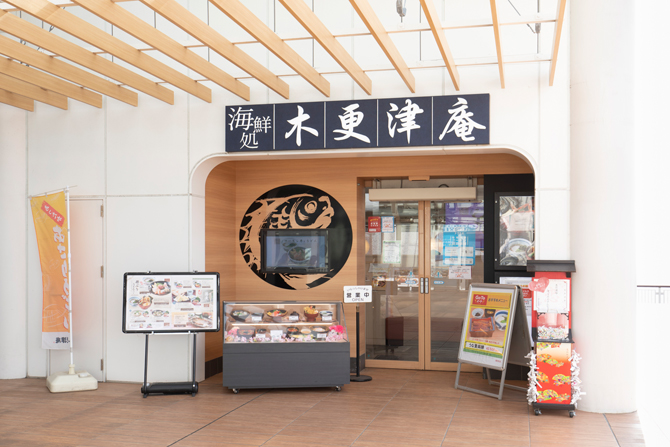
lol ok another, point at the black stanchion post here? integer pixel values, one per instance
(358, 377)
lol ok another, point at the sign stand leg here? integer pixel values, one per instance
(358, 377)
(195, 384)
(190, 387)
(145, 387)
(485, 393)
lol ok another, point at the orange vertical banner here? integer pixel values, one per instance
(51, 228)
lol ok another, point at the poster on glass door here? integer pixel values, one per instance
(458, 245)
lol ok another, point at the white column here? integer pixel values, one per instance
(602, 201)
(14, 206)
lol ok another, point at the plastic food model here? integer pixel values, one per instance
(284, 323)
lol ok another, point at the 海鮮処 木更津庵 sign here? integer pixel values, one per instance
(369, 123)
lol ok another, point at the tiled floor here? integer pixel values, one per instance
(397, 408)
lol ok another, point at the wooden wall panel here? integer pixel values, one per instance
(341, 178)
(220, 240)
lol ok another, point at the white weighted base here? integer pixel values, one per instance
(64, 382)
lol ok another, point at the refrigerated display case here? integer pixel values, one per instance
(285, 345)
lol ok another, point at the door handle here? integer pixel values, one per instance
(421, 286)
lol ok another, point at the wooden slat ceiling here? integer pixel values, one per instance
(60, 69)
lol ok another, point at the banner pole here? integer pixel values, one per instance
(62, 382)
(69, 276)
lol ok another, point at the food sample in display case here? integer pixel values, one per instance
(285, 345)
(284, 323)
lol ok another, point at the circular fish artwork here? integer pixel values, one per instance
(296, 207)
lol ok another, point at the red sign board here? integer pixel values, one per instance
(53, 214)
(479, 300)
(374, 224)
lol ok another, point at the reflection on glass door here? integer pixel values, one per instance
(421, 258)
(393, 258)
(456, 261)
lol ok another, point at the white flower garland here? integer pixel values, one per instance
(574, 379)
(533, 384)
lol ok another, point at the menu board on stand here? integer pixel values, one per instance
(494, 332)
(170, 303)
(554, 382)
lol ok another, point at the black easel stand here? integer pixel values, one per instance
(358, 377)
(168, 387)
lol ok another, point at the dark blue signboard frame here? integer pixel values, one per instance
(462, 119)
(405, 122)
(299, 126)
(351, 124)
(369, 123)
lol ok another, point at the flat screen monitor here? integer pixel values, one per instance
(294, 251)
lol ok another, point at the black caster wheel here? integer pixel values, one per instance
(236, 391)
(572, 414)
(338, 388)
(537, 412)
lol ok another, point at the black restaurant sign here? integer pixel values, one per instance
(368, 123)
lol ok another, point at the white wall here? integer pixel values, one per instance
(141, 161)
(602, 203)
(652, 157)
(13, 229)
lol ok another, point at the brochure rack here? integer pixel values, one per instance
(554, 383)
(168, 387)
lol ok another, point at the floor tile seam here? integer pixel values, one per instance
(300, 415)
(452, 418)
(612, 430)
(217, 419)
(382, 409)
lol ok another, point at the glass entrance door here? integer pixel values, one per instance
(394, 264)
(420, 260)
(456, 260)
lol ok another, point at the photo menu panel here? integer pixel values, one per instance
(170, 302)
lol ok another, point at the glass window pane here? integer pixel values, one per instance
(392, 267)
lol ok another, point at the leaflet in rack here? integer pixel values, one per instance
(170, 302)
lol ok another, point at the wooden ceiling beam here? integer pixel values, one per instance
(496, 33)
(191, 24)
(59, 3)
(34, 58)
(18, 101)
(58, 45)
(560, 17)
(32, 91)
(120, 17)
(49, 82)
(438, 32)
(241, 15)
(93, 35)
(368, 16)
(309, 20)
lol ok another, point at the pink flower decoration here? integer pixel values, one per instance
(337, 328)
